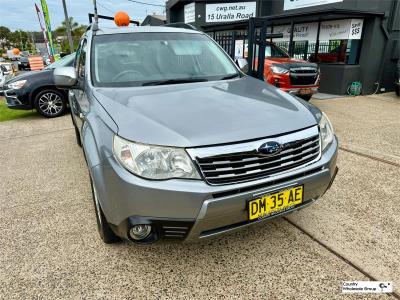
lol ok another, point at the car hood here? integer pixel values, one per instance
(284, 59)
(28, 75)
(205, 113)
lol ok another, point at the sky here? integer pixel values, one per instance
(21, 14)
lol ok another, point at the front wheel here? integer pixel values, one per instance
(105, 231)
(305, 97)
(50, 103)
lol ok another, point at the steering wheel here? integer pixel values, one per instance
(126, 72)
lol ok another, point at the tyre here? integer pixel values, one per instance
(397, 90)
(105, 231)
(50, 103)
(305, 97)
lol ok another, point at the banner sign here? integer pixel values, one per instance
(36, 62)
(341, 29)
(190, 13)
(301, 32)
(329, 30)
(46, 16)
(293, 4)
(228, 12)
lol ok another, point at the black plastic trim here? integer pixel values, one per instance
(162, 228)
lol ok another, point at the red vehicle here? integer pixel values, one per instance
(336, 55)
(291, 75)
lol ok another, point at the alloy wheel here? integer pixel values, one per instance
(50, 103)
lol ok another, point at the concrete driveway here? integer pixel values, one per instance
(50, 249)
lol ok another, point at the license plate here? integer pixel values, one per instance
(305, 91)
(271, 204)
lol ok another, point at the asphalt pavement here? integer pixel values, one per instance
(50, 247)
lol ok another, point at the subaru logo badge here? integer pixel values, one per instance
(270, 148)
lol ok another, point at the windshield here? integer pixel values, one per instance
(274, 51)
(144, 58)
(66, 61)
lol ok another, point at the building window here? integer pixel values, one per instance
(338, 41)
(337, 51)
(304, 39)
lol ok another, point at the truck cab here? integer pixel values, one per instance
(295, 76)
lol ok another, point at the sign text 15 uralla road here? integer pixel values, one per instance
(228, 12)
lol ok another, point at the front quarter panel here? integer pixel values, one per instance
(97, 134)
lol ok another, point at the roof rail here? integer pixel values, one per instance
(181, 25)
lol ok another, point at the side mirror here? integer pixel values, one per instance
(65, 77)
(242, 64)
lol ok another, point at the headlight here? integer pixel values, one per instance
(326, 130)
(154, 162)
(17, 85)
(279, 70)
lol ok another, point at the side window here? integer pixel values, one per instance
(80, 60)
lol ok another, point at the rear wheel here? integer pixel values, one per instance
(50, 103)
(305, 97)
(397, 89)
(105, 231)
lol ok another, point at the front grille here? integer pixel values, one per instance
(301, 79)
(303, 70)
(250, 165)
(175, 232)
(249, 188)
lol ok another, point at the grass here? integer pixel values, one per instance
(7, 114)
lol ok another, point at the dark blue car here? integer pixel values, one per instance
(36, 90)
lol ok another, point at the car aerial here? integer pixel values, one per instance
(295, 76)
(180, 144)
(36, 90)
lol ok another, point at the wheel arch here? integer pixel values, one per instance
(97, 139)
(90, 149)
(41, 88)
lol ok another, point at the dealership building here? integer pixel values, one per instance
(351, 40)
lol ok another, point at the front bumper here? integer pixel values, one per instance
(17, 99)
(296, 90)
(283, 82)
(193, 208)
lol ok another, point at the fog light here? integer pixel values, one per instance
(140, 232)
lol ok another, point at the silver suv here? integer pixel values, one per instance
(181, 144)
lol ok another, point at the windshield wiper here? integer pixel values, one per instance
(231, 76)
(174, 81)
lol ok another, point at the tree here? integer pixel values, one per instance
(76, 32)
(62, 30)
(4, 36)
(19, 39)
